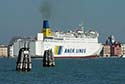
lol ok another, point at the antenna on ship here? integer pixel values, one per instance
(81, 26)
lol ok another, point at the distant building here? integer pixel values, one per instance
(105, 51)
(3, 51)
(34, 45)
(122, 49)
(10, 51)
(116, 49)
(113, 48)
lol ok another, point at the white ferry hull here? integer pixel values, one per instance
(74, 50)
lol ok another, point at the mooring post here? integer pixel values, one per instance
(24, 62)
(48, 58)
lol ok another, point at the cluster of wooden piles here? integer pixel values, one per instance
(24, 62)
(48, 58)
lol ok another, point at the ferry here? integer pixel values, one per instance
(71, 44)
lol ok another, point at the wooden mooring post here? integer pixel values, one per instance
(24, 62)
(48, 58)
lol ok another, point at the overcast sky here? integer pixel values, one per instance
(23, 17)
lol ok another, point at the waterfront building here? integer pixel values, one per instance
(105, 51)
(10, 51)
(122, 49)
(3, 51)
(34, 45)
(116, 49)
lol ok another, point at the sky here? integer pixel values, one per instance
(24, 17)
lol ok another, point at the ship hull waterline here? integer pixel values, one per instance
(92, 56)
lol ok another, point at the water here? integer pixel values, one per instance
(66, 71)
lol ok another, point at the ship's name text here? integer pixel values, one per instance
(73, 50)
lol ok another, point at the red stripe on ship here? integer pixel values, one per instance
(94, 56)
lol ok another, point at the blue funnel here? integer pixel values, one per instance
(45, 24)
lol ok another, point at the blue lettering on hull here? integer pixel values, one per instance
(72, 50)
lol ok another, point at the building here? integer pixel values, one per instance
(113, 48)
(116, 49)
(122, 49)
(106, 51)
(3, 51)
(10, 51)
(34, 45)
